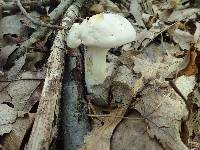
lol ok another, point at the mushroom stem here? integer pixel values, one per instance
(95, 66)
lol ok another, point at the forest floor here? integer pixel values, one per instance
(150, 100)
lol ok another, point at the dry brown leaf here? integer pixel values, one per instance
(14, 140)
(97, 8)
(131, 134)
(149, 20)
(32, 59)
(197, 33)
(159, 104)
(183, 38)
(15, 70)
(3, 85)
(164, 15)
(163, 109)
(145, 37)
(169, 5)
(184, 133)
(136, 11)
(7, 116)
(4, 53)
(110, 6)
(34, 98)
(179, 15)
(176, 4)
(18, 93)
(194, 121)
(104, 6)
(148, 68)
(153, 64)
(99, 139)
(34, 75)
(185, 84)
(5, 98)
(10, 25)
(178, 25)
(189, 66)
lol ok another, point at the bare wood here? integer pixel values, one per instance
(43, 128)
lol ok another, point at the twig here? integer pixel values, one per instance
(34, 21)
(39, 34)
(12, 6)
(162, 31)
(45, 122)
(129, 118)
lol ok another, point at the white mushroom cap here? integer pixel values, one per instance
(100, 33)
(103, 31)
(73, 40)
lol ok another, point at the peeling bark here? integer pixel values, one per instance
(44, 128)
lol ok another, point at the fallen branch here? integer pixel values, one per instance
(44, 125)
(74, 120)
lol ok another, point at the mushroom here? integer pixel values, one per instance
(100, 33)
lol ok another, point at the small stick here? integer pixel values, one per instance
(129, 118)
(165, 29)
(12, 6)
(37, 35)
(34, 21)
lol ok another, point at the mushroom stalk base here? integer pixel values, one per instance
(95, 66)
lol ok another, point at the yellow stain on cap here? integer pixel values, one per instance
(96, 18)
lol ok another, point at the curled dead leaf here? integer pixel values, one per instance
(189, 66)
(99, 139)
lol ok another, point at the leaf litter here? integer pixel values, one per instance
(155, 87)
(20, 82)
(164, 81)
